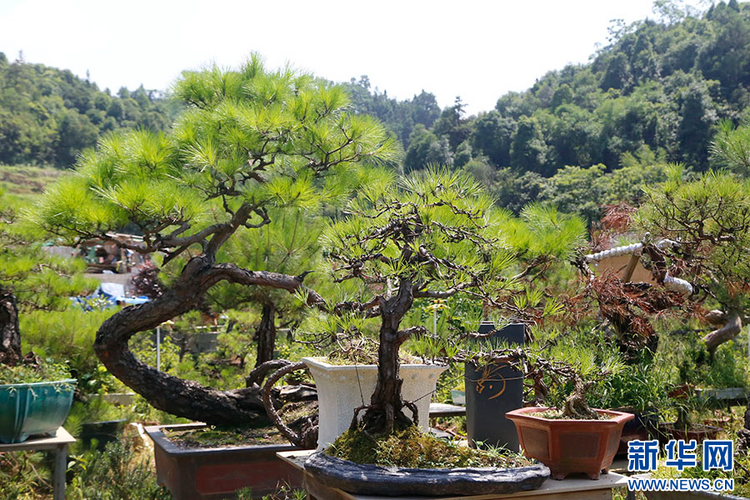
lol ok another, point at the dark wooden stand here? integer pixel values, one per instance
(569, 489)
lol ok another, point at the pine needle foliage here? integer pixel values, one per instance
(253, 136)
(39, 281)
(710, 217)
(433, 235)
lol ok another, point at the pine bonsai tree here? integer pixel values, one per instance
(289, 244)
(251, 142)
(434, 235)
(30, 278)
(709, 219)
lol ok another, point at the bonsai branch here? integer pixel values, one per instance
(172, 394)
(731, 328)
(308, 435)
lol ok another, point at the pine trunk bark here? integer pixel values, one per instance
(731, 328)
(184, 398)
(10, 334)
(386, 405)
(266, 334)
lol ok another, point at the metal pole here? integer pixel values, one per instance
(158, 348)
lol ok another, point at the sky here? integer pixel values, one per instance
(478, 50)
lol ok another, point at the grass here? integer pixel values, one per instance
(26, 181)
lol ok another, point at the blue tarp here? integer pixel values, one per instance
(112, 294)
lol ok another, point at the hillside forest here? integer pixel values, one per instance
(580, 137)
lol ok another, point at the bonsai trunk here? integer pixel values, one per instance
(731, 327)
(576, 406)
(10, 334)
(180, 397)
(386, 405)
(266, 334)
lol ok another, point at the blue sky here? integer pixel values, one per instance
(476, 49)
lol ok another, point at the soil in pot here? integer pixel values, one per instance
(195, 461)
(217, 437)
(570, 446)
(410, 462)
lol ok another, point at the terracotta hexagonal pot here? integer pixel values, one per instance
(567, 446)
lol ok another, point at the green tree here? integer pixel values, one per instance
(618, 73)
(528, 149)
(30, 278)
(491, 135)
(75, 133)
(251, 141)
(453, 125)
(698, 117)
(426, 148)
(577, 190)
(435, 235)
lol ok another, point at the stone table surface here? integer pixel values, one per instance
(446, 410)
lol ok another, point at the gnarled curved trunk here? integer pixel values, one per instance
(386, 404)
(10, 334)
(732, 326)
(180, 397)
(266, 334)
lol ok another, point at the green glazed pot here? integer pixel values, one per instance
(37, 408)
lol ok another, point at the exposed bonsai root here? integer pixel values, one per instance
(375, 421)
(576, 406)
(307, 437)
(260, 372)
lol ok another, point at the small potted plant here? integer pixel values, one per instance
(684, 427)
(35, 398)
(344, 387)
(573, 438)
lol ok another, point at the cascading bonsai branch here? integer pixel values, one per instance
(250, 143)
(432, 235)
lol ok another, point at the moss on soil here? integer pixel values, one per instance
(414, 449)
(24, 373)
(217, 437)
(555, 414)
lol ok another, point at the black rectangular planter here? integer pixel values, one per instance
(492, 391)
(213, 473)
